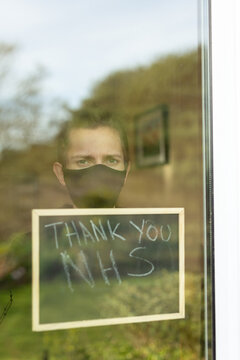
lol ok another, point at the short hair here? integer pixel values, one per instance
(91, 119)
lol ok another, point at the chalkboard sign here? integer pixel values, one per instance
(96, 267)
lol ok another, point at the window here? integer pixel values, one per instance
(110, 147)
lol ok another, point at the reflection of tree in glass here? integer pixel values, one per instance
(22, 105)
(160, 340)
(153, 295)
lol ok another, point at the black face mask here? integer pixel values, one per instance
(95, 187)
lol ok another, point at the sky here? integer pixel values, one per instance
(79, 42)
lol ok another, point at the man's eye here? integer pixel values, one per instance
(113, 161)
(82, 162)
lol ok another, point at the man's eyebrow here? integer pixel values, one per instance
(90, 157)
(85, 156)
(113, 155)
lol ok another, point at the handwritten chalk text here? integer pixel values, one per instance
(74, 238)
(77, 231)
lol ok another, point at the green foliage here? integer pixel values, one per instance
(20, 247)
(143, 297)
(160, 340)
(152, 340)
(16, 253)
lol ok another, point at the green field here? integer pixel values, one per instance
(164, 340)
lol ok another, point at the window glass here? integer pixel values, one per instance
(105, 105)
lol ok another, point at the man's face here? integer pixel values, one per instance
(88, 147)
(93, 186)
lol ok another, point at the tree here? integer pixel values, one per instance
(21, 102)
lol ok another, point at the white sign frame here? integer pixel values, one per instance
(36, 214)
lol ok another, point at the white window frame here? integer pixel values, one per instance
(225, 28)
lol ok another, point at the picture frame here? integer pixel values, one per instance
(152, 137)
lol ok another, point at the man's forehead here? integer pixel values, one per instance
(99, 137)
(92, 130)
(82, 132)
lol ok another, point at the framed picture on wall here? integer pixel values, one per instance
(152, 139)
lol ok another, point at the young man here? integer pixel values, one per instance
(93, 160)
